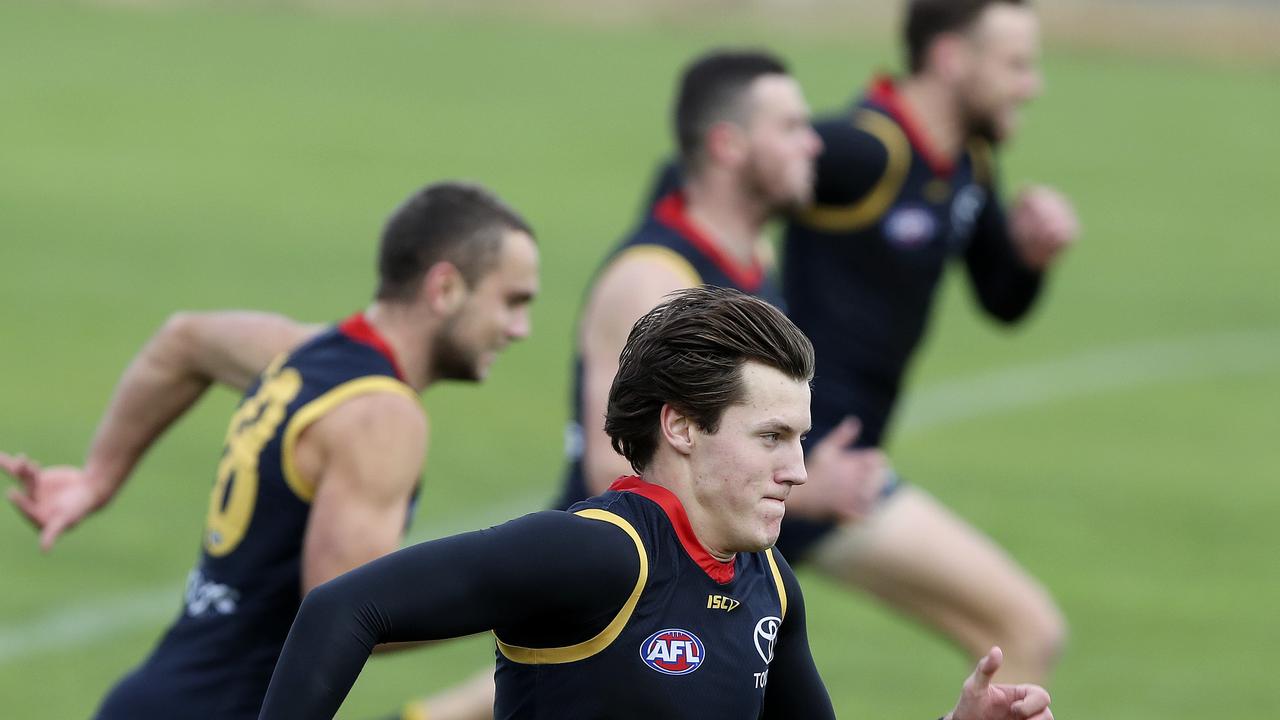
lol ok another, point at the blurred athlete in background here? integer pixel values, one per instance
(322, 459)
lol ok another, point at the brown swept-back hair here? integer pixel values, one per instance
(688, 352)
(927, 19)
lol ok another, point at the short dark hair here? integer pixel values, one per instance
(460, 222)
(688, 352)
(927, 19)
(713, 89)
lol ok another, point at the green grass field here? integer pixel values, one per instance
(1120, 444)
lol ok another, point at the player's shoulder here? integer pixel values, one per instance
(643, 270)
(384, 410)
(861, 149)
(603, 537)
(859, 134)
(864, 133)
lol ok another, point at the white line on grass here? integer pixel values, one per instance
(1091, 372)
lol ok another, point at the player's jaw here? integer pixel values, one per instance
(1005, 74)
(784, 146)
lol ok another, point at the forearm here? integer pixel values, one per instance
(153, 392)
(1005, 285)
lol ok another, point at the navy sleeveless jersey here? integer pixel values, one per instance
(667, 234)
(216, 659)
(695, 638)
(860, 267)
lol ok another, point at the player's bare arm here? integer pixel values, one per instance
(232, 347)
(628, 289)
(187, 354)
(361, 461)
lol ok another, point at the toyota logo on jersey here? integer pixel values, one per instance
(766, 636)
(673, 651)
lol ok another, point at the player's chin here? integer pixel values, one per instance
(797, 200)
(1005, 125)
(769, 537)
(483, 365)
(771, 513)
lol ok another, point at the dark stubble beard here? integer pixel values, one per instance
(756, 186)
(980, 124)
(451, 361)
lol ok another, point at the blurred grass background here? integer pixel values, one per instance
(155, 157)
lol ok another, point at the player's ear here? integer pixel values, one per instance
(949, 56)
(726, 144)
(443, 288)
(676, 429)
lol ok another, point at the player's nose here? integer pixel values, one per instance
(793, 472)
(521, 325)
(814, 142)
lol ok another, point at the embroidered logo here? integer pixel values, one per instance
(766, 636)
(673, 652)
(910, 227)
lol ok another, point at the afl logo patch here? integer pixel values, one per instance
(910, 227)
(766, 636)
(672, 652)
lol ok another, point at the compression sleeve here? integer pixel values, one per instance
(852, 163)
(518, 574)
(795, 690)
(1004, 286)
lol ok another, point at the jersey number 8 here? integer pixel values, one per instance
(236, 489)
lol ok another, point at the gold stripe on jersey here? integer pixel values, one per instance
(587, 648)
(665, 256)
(314, 410)
(869, 208)
(777, 579)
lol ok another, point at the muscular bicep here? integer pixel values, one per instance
(512, 575)
(232, 347)
(630, 287)
(795, 688)
(361, 463)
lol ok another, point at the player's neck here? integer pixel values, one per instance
(675, 474)
(731, 220)
(406, 335)
(933, 108)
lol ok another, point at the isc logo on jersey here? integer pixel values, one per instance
(673, 652)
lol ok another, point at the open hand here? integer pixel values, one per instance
(53, 499)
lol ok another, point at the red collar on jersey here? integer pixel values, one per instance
(357, 328)
(721, 572)
(885, 94)
(671, 211)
